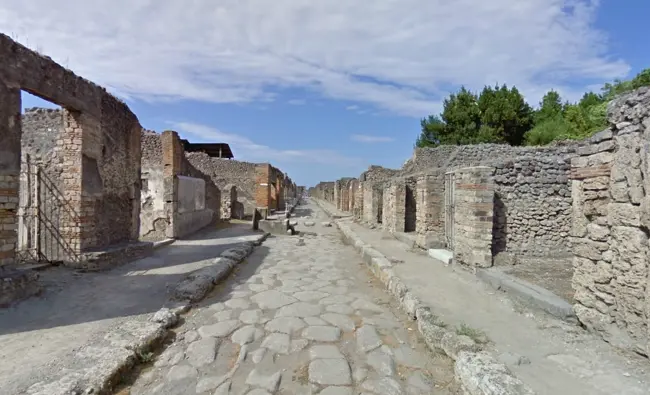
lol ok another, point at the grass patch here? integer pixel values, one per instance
(475, 334)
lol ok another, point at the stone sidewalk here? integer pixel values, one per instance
(302, 317)
(83, 320)
(549, 355)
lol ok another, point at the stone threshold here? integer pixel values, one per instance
(478, 371)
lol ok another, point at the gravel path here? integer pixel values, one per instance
(298, 318)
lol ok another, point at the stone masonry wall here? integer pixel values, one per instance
(473, 198)
(100, 147)
(532, 205)
(224, 172)
(611, 226)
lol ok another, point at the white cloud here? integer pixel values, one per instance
(364, 138)
(297, 102)
(352, 107)
(246, 149)
(400, 55)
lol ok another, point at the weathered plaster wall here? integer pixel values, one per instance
(153, 218)
(611, 226)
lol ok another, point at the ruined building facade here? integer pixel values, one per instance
(588, 201)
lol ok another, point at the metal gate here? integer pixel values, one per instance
(449, 210)
(39, 217)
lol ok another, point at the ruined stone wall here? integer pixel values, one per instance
(224, 172)
(201, 216)
(100, 146)
(430, 224)
(611, 222)
(153, 218)
(473, 211)
(394, 206)
(532, 205)
(378, 173)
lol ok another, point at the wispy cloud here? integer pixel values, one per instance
(246, 149)
(352, 107)
(297, 102)
(365, 138)
(398, 55)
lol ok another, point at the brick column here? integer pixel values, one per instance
(10, 152)
(280, 192)
(172, 157)
(394, 207)
(263, 187)
(473, 215)
(430, 225)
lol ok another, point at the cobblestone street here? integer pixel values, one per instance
(298, 319)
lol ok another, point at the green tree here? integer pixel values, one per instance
(462, 118)
(432, 128)
(549, 108)
(506, 112)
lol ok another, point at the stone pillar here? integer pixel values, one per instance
(345, 196)
(473, 216)
(228, 202)
(280, 192)
(10, 152)
(358, 200)
(172, 157)
(337, 194)
(263, 187)
(394, 207)
(430, 225)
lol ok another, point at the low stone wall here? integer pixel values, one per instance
(611, 222)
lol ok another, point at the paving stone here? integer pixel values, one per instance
(170, 356)
(383, 386)
(190, 336)
(251, 316)
(330, 372)
(258, 287)
(418, 384)
(336, 299)
(345, 283)
(286, 325)
(382, 322)
(202, 352)
(246, 335)
(181, 372)
(336, 391)
(223, 315)
(240, 294)
(258, 391)
(224, 389)
(330, 276)
(278, 342)
(258, 355)
(325, 351)
(217, 306)
(298, 344)
(339, 308)
(367, 338)
(360, 374)
(322, 333)
(341, 321)
(308, 296)
(315, 285)
(300, 309)
(270, 381)
(361, 304)
(238, 303)
(382, 362)
(335, 290)
(405, 355)
(220, 329)
(272, 299)
(314, 321)
(210, 383)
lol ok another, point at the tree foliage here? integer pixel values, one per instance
(501, 115)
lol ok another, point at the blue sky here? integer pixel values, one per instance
(323, 89)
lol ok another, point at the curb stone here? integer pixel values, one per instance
(109, 362)
(477, 371)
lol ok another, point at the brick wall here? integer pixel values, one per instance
(473, 212)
